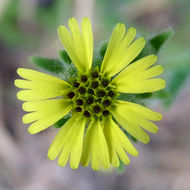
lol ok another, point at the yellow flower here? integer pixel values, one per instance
(91, 134)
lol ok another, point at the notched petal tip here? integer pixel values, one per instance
(60, 29)
(74, 167)
(146, 140)
(136, 153)
(85, 19)
(24, 106)
(120, 26)
(163, 83)
(128, 162)
(115, 165)
(25, 119)
(50, 156)
(132, 30)
(16, 83)
(155, 58)
(19, 95)
(59, 162)
(20, 71)
(72, 19)
(72, 22)
(32, 131)
(159, 116)
(152, 57)
(155, 130)
(141, 41)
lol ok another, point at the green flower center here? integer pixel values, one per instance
(92, 94)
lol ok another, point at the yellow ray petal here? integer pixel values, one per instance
(43, 105)
(30, 117)
(119, 52)
(61, 138)
(44, 108)
(141, 110)
(39, 85)
(118, 143)
(64, 157)
(77, 143)
(137, 77)
(49, 85)
(115, 40)
(40, 94)
(137, 66)
(149, 126)
(131, 126)
(78, 44)
(87, 36)
(68, 141)
(95, 147)
(33, 75)
(153, 72)
(50, 111)
(132, 117)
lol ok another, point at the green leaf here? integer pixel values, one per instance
(51, 65)
(154, 44)
(64, 56)
(163, 94)
(158, 40)
(176, 82)
(61, 122)
(143, 95)
(103, 49)
(121, 168)
(97, 61)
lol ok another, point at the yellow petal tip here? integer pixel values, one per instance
(72, 20)
(163, 83)
(136, 153)
(74, 167)
(86, 19)
(159, 117)
(50, 156)
(61, 164)
(147, 140)
(31, 131)
(142, 40)
(153, 57)
(132, 29)
(120, 26)
(16, 83)
(19, 96)
(61, 27)
(24, 120)
(20, 71)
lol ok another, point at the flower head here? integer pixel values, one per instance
(95, 132)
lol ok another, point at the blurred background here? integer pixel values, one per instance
(29, 27)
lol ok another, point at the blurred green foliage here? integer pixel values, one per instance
(47, 17)
(51, 65)
(52, 14)
(10, 33)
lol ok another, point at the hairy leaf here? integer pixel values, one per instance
(51, 65)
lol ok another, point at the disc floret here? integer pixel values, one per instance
(92, 94)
